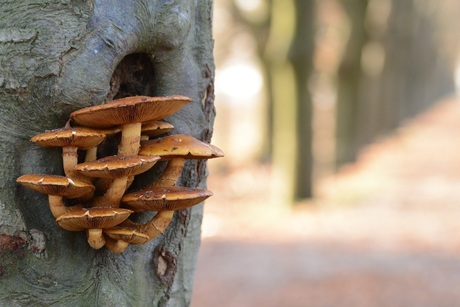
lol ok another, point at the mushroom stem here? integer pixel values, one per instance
(91, 154)
(95, 238)
(58, 207)
(70, 160)
(116, 246)
(170, 175)
(130, 139)
(113, 195)
(153, 228)
(157, 224)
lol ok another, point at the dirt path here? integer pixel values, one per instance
(384, 232)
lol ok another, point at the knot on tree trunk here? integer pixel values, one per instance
(165, 263)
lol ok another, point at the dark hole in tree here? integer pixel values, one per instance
(134, 75)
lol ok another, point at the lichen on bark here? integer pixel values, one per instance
(57, 56)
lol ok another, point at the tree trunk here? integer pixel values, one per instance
(415, 70)
(58, 56)
(284, 36)
(287, 62)
(300, 56)
(349, 77)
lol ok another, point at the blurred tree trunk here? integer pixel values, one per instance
(287, 59)
(260, 30)
(415, 71)
(285, 44)
(57, 56)
(300, 56)
(349, 80)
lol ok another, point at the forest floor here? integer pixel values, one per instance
(382, 232)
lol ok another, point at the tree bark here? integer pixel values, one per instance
(58, 56)
(416, 70)
(288, 64)
(349, 80)
(300, 57)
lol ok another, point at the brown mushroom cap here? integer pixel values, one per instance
(180, 146)
(92, 218)
(56, 185)
(136, 109)
(130, 235)
(156, 127)
(165, 198)
(77, 137)
(117, 166)
(109, 131)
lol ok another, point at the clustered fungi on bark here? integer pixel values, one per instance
(100, 185)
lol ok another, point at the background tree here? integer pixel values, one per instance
(284, 36)
(350, 77)
(398, 61)
(58, 56)
(394, 64)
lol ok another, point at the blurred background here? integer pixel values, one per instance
(340, 185)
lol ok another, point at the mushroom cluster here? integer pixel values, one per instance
(100, 184)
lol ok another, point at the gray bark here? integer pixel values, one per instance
(57, 56)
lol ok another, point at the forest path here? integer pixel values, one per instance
(383, 232)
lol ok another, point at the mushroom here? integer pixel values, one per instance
(124, 234)
(154, 128)
(91, 153)
(70, 139)
(129, 232)
(177, 148)
(56, 187)
(129, 113)
(93, 220)
(162, 199)
(119, 169)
